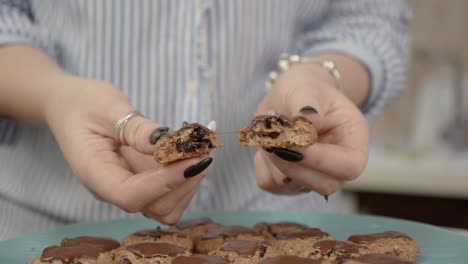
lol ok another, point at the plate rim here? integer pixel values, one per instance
(243, 212)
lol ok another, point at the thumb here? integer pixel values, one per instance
(141, 134)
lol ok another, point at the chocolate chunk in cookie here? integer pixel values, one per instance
(269, 131)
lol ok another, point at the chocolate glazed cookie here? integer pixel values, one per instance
(149, 253)
(214, 238)
(195, 228)
(389, 242)
(159, 235)
(244, 251)
(85, 250)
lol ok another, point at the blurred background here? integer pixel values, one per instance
(418, 167)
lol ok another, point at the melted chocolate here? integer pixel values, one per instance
(196, 139)
(194, 223)
(199, 259)
(290, 260)
(229, 231)
(281, 119)
(151, 250)
(272, 134)
(335, 247)
(245, 248)
(158, 233)
(381, 259)
(79, 247)
(308, 233)
(364, 239)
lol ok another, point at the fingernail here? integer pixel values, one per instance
(288, 155)
(287, 180)
(308, 108)
(269, 150)
(326, 197)
(185, 123)
(157, 134)
(196, 169)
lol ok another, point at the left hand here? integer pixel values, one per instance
(342, 149)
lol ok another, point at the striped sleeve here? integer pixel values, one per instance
(17, 26)
(372, 31)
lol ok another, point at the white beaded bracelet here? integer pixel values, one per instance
(285, 62)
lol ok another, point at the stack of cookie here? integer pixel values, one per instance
(200, 241)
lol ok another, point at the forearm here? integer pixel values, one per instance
(355, 81)
(28, 78)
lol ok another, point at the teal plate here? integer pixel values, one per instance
(439, 246)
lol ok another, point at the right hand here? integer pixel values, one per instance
(82, 115)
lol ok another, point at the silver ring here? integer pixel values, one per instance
(120, 126)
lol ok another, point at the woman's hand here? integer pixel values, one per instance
(342, 149)
(82, 115)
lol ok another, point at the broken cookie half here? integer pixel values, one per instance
(268, 131)
(192, 140)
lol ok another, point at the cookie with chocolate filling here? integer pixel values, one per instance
(149, 253)
(200, 259)
(214, 238)
(336, 250)
(270, 131)
(299, 243)
(160, 235)
(390, 242)
(378, 258)
(279, 227)
(196, 227)
(244, 251)
(84, 249)
(192, 140)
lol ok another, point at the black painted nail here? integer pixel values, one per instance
(288, 155)
(308, 108)
(287, 180)
(269, 150)
(196, 169)
(185, 123)
(157, 134)
(326, 197)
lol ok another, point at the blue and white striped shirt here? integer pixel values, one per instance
(182, 60)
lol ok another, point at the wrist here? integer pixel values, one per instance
(316, 72)
(355, 79)
(59, 95)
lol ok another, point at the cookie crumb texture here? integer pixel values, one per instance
(269, 131)
(192, 140)
(390, 243)
(149, 253)
(266, 243)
